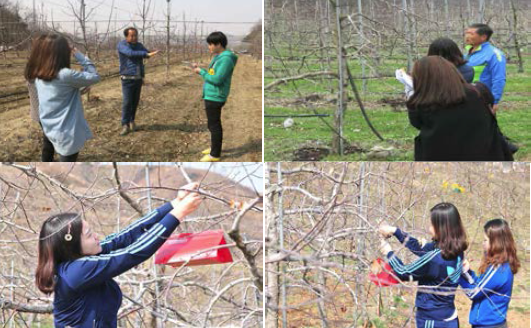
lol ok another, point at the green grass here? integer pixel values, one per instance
(280, 143)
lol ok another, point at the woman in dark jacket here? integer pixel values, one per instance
(437, 268)
(448, 49)
(454, 122)
(79, 269)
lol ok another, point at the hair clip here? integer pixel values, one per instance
(68, 236)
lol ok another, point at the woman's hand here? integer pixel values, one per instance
(466, 266)
(385, 248)
(187, 205)
(185, 190)
(386, 230)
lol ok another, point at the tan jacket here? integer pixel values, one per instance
(34, 102)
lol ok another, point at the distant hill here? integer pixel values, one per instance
(93, 180)
(254, 39)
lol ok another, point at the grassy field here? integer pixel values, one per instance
(284, 144)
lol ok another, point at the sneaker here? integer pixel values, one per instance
(206, 151)
(132, 126)
(208, 158)
(125, 130)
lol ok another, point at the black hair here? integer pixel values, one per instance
(447, 49)
(55, 247)
(126, 31)
(217, 38)
(483, 29)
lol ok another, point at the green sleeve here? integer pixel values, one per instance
(223, 71)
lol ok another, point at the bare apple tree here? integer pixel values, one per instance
(112, 196)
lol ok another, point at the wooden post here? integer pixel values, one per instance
(272, 295)
(447, 18)
(360, 45)
(515, 37)
(407, 35)
(281, 246)
(168, 47)
(337, 140)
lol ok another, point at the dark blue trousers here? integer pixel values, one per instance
(425, 323)
(131, 97)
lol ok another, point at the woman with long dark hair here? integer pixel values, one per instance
(58, 88)
(437, 268)
(449, 50)
(79, 269)
(454, 122)
(32, 90)
(491, 291)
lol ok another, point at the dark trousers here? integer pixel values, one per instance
(213, 111)
(48, 152)
(130, 98)
(424, 323)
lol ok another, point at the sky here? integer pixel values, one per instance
(202, 10)
(237, 172)
(250, 175)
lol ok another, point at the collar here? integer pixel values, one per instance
(468, 47)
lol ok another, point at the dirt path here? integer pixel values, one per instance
(171, 121)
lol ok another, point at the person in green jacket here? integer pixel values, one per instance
(216, 89)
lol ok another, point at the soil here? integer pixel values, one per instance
(171, 123)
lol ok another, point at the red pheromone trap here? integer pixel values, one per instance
(382, 273)
(192, 249)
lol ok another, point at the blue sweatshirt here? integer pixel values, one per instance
(85, 294)
(131, 58)
(430, 270)
(489, 66)
(490, 294)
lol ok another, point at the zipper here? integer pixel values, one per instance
(477, 314)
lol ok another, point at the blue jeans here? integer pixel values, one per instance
(131, 97)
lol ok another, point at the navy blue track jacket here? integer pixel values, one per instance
(433, 273)
(86, 296)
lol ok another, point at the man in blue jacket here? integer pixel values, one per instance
(131, 54)
(488, 61)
